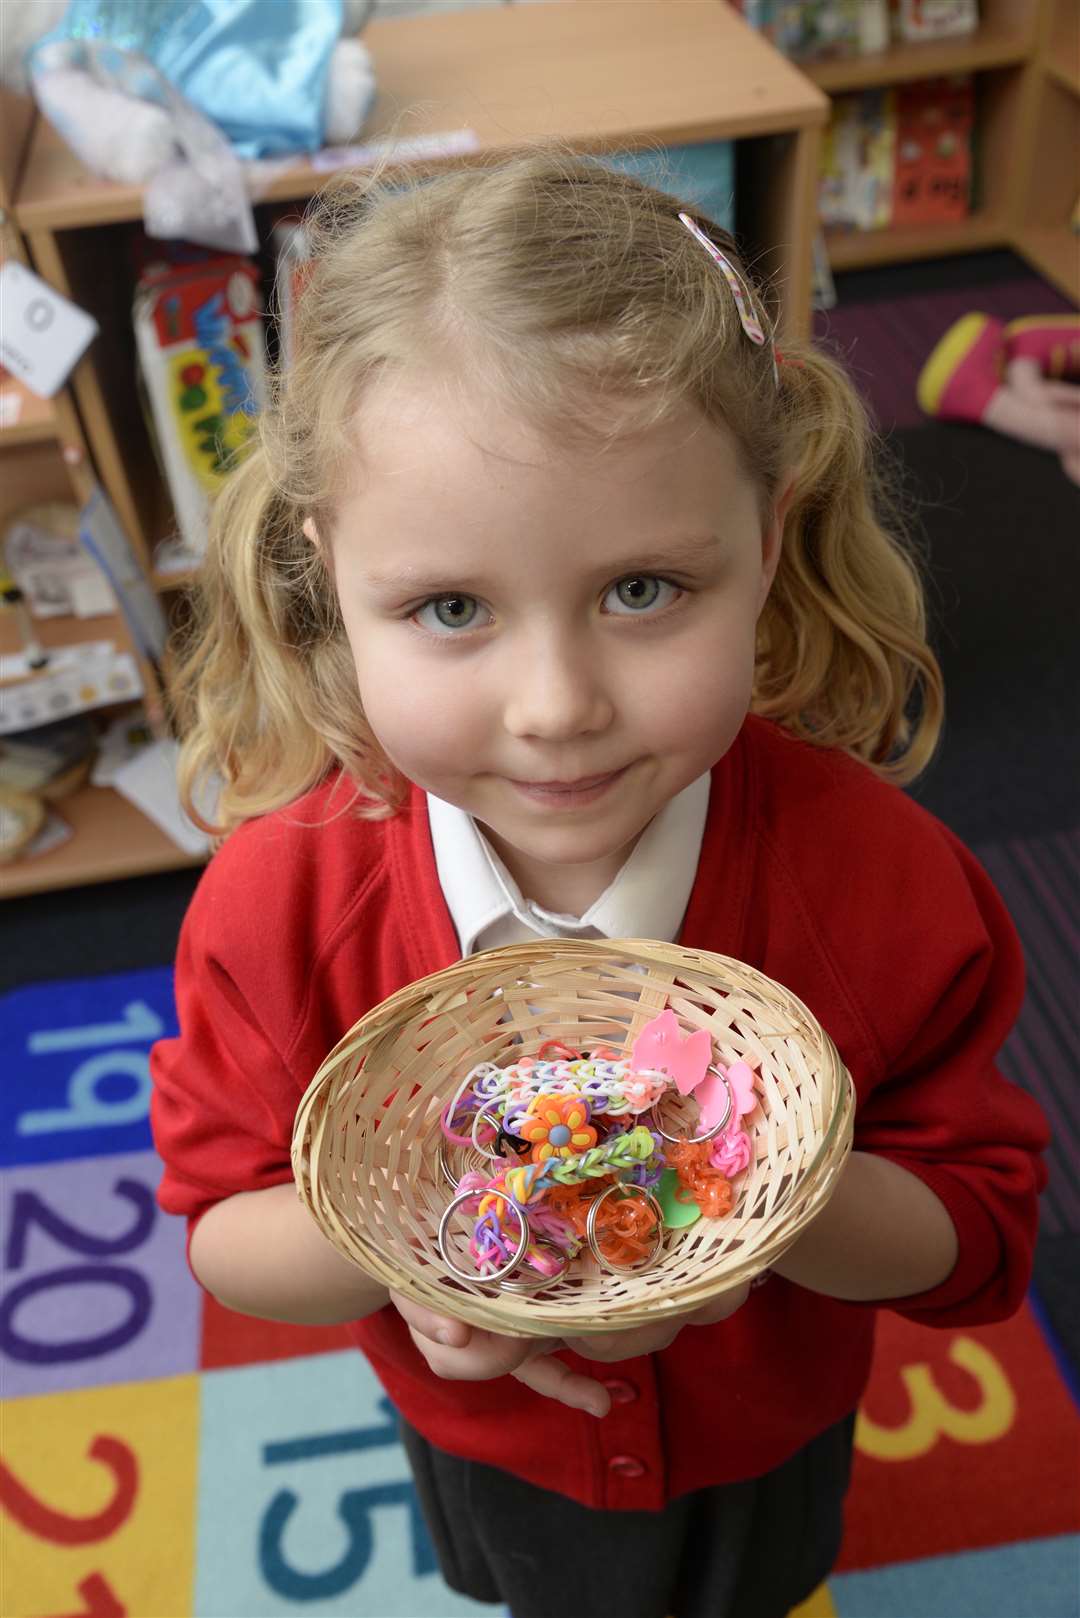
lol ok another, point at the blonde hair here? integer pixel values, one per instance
(564, 283)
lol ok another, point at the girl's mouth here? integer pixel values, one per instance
(568, 794)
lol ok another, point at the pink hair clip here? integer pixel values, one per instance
(750, 323)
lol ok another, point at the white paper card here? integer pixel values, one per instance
(149, 782)
(42, 335)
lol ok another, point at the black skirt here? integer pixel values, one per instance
(739, 1550)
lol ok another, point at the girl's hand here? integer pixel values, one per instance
(464, 1353)
(627, 1345)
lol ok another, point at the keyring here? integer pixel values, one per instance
(694, 1140)
(454, 1179)
(590, 1229)
(496, 1157)
(528, 1282)
(492, 1275)
(480, 1162)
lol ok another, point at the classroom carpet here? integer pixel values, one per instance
(165, 1457)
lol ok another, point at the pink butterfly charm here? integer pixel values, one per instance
(660, 1048)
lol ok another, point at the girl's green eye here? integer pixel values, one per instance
(638, 592)
(447, 613)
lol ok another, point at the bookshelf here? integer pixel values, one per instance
(1025, 55)
(44, 457)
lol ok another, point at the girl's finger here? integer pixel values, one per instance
(442, 1329)
(722, 1307)
(609, 1347)
(548, 1376)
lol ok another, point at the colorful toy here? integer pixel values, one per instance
(588, 1173)
(1019, 379)
(169, 96)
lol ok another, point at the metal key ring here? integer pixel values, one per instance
(496, 1156)
(694, 1140)
(527, 1282)
(452, 1178)
(590, 1229)
(492, 1275)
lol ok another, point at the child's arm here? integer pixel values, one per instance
(882, 1234)
(261, 1253)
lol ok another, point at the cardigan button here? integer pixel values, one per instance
(627, 1466)
(622, 1392)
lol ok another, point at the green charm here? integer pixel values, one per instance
(676, 1213)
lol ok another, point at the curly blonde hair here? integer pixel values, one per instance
(564, 283)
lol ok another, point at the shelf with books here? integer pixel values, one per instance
(992, 44)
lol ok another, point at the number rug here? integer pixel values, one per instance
(165, 1458)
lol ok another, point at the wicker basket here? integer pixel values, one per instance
(367, 1139)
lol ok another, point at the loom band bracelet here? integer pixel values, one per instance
(694, 1140)
(590, 1229)
(528, 1281)
(511, 1264)
(565, 1051)
(449, 1112)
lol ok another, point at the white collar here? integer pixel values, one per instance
(647, 899)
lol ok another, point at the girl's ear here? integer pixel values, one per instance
(772, 536)
(312, 533)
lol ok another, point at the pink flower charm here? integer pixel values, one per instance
(557, 1126)
(660, 1048)
(731, 1153)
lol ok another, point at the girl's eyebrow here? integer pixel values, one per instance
(666, 555)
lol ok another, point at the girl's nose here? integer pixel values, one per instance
(555, 693)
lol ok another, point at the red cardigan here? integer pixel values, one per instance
(811, 869)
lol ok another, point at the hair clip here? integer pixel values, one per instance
(750, 323)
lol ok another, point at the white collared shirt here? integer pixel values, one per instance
(647, 899)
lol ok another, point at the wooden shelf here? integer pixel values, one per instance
(64, 630)
(1062, 58)
(1054, 250)
(1064, 73)
(597, 76)
(30, 420)
(112, 839)
(991, 45)
(858, 249)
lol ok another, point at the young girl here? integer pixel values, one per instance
(552, 601)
